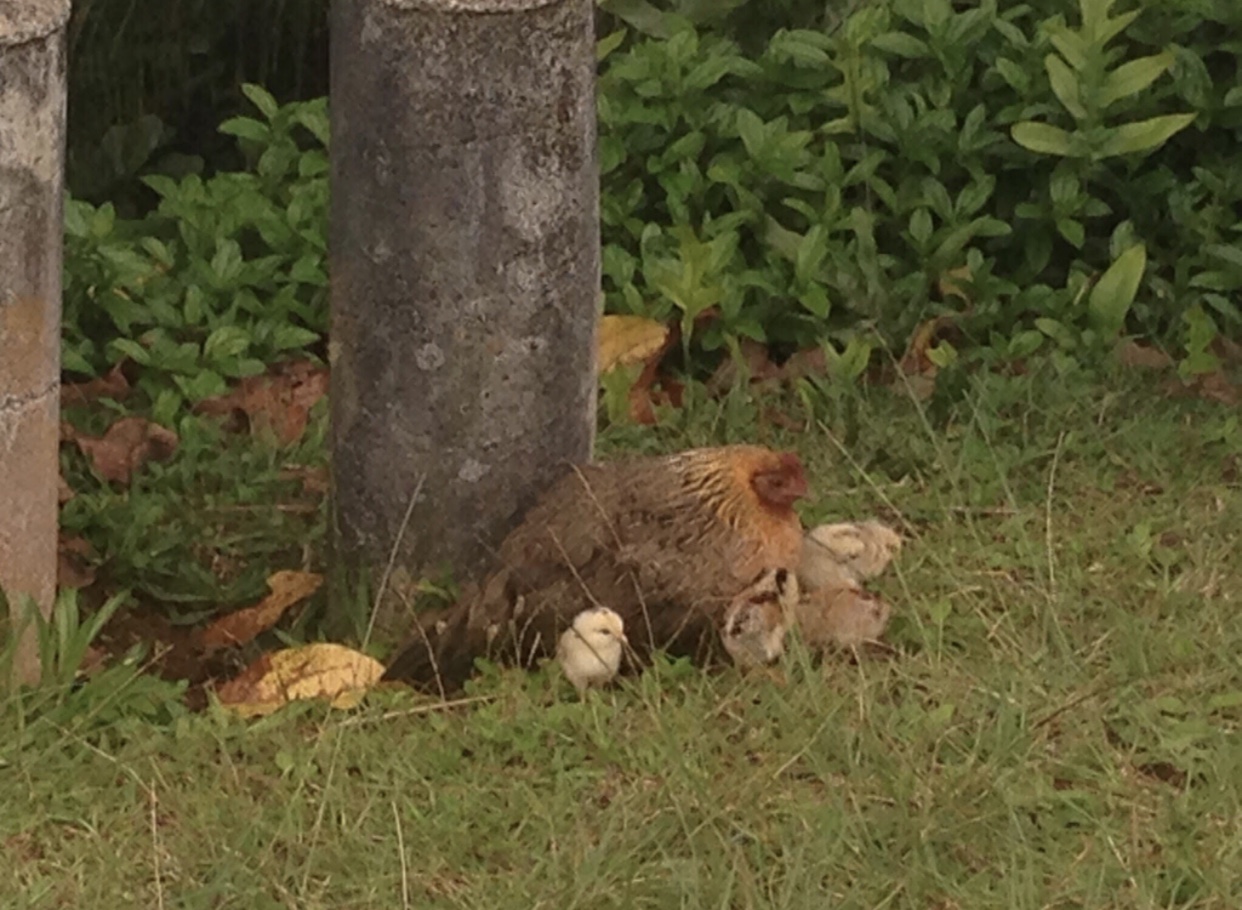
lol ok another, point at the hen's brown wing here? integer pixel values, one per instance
(627, 535)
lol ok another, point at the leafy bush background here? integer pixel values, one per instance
(818, 177)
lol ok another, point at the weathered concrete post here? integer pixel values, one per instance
(465, 272)
(32, 153)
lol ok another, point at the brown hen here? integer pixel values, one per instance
(666, 542)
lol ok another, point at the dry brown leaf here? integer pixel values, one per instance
(1142, 356)
(287, 588)
(642, 405)
(646, 395)
(112, 384)
(127, 445)
(804, 363)
(915, 365)
(1228, 350)
(73, 563)
(915, 360)
(314, 478)
(278, 402)
(755, 361)
(321, 670)
(1215, 386)
(629, 339)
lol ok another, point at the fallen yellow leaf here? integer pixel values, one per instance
(321, 670)
(629, 339)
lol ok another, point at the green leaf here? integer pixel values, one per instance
(247, 128)
(921, 227)
(76, 214)
(157, 251)
(165, 187)
(936, 13)
(289, 337)
(1114, 293)
(1012, 33)
(1107, 30)
(103, 221)
(314, 116)
(312, 164)
(262, 99)
(1073, 231)
(974, 196)
(227, 262)
(1025, 343)
(1064, 188)
(129, 348)
(1094, 14)
(943, 355)
(73, 361)
(643, 17)
(902, 45)
(1143, 135)
(207, 384)
(1132, 77)
(194, 308)
(226, 341)
(1015, 75)
(752, 131)
(1065, 86)
(1042, 138)
(800, 47)
(1057, 331)
(309, 270)
(1230, 254)
(815, 299)
(609, 43)
(1071, 45)
(811, 252)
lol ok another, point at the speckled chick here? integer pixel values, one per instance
(756, 622)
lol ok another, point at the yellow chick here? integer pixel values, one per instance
(757, 620)
(843, 617)
(843, 555)
(590, 650)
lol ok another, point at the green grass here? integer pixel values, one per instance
(1059, 727)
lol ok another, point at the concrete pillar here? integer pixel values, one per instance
(465, 272)
(32, 154)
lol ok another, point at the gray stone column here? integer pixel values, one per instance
(32, 153)
(465, 272)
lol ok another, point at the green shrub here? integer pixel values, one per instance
(225, 277)
(1051, 174)
(838, 178)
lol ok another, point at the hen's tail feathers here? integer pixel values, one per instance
(435, 660)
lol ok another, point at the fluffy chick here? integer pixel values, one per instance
(590, 650)
(844, 617)
(757, 620)
(846, 554)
